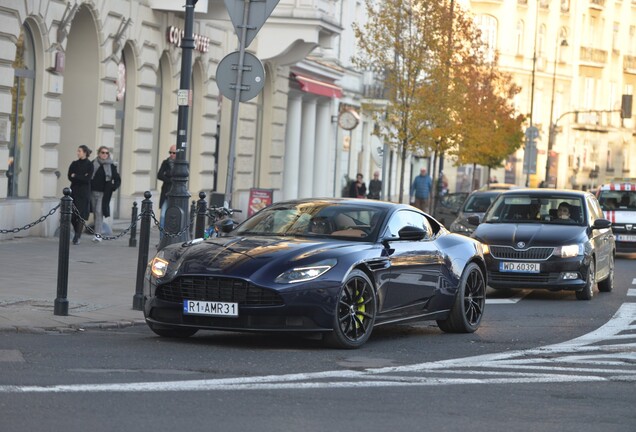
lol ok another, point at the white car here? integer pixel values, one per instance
(618, 201)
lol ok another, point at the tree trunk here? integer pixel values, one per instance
(402, 168)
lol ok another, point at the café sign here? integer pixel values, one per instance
(175, 34)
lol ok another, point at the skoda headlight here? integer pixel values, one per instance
(307, 273)
(569, 251)
(158, 266)
(459, 227)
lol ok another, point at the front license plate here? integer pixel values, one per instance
(520, 267)
(197, 307)
(626, 237)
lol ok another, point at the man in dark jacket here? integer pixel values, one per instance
(165, 175)
(105, 181)
(375, 186)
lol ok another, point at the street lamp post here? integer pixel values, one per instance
(178, 196)
(552, 125)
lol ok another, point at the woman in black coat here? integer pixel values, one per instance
(105, 181)
(80, 173)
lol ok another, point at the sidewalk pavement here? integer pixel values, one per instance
(101, 283)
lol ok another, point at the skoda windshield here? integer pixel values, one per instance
(529, 208)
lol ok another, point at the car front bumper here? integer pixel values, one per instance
(551, 276)
(300, 310)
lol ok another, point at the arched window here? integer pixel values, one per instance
(488, 26)
(21, 116)
(519, 38)
(541, 40)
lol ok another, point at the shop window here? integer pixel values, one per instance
(21, 116)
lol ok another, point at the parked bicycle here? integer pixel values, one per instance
(221, 221)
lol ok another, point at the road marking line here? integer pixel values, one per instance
(510, 300)
(537, 365)
(630, 292)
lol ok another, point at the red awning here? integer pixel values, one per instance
(321, 88)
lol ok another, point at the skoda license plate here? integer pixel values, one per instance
(197, 307)
(520, 267)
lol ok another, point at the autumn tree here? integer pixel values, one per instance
(489, 129)
(396, 41)
(421, 47)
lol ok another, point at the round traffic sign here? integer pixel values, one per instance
(253, 78)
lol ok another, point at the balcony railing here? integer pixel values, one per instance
(593, 55)
(597, 4)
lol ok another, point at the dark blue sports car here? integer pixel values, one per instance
(333, 266)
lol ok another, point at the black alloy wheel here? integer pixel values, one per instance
(355, 312)
(607, 284)
(172, 332)
(466, 314)
(588, 291)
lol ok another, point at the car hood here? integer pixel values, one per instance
(532, 234)
(254, 256)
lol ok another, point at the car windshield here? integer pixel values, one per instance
(617, 200)
(529, 208)
(479, 202)
(316, 218)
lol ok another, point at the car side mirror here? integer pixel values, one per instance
(473, 220)
(412, 233)
(601, 224)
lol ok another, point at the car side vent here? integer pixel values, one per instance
(533, 253)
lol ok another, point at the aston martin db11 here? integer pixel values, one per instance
(337, 267)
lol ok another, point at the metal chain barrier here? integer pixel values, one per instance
(32, 224)
(103, 237)
(166, 233)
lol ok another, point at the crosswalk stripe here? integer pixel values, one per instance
(630, 292)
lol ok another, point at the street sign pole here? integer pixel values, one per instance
(176, 216)
(235, 106)
(530, 153)
(247, 21)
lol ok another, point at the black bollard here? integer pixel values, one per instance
(60, 305)
(202, 207)
(133, 227)
(193, 210)
(144, 246)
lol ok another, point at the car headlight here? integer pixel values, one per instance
(158, 266)
(458, 227)
(569, 251)
(485, 249)
(307, 273)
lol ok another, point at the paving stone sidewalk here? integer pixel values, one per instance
(101, 283)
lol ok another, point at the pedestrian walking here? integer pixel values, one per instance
(421, 190)
(358, 188)
(165, 175)
(80, 173)
(105, 181)
(375, 186)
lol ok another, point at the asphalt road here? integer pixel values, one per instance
(541, 361)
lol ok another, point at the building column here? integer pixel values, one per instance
(292, 148)
(321, 151)
(307, 146)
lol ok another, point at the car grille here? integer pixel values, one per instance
(533, 253)
(217, 289)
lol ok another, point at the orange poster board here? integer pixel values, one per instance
(259, 198)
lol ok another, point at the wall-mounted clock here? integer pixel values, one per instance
(348, 120)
